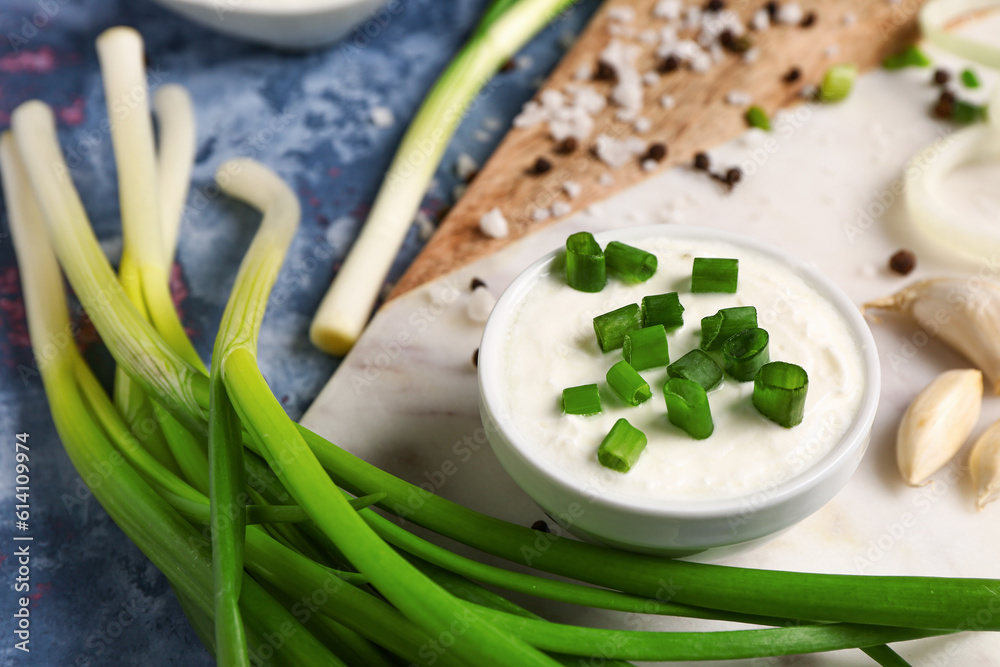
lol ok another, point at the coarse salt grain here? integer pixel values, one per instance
(624, 14)
(382, 117)
(668, 9)
(606, 179)
(540, 213)
(616, 152)
(790, 13)
(492, 124)
(668, 102)
(582, 72)
(465, 166)
(642, 125)
(595, 210)
(850, 19)
(560, 208)
(650, 78)
(831, 51)
(493, 224)
(524, 62)
(649, 36)
(572, 189)
(481, 135)
(649, 165)
(739, 98)
(752, 55)
(425, 226)
(760, 20)
(480, 304)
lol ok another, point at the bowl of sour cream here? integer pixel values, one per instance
(749, 480)
(292, 24)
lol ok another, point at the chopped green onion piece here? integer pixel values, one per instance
(629, 264)
(646, 348)
(697, 366)
(710, 274)
(911, 56)
(628, 384)
(744, 353)
(966, 113)
(715, 329)
(779, 392)
(969, 79)
(621, 447)
(582, 400)
(757, 117)
(611, 327)
(837, 83)
(665, 309)
(585, 268)
(687, 407)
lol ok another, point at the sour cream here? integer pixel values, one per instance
(551, 346)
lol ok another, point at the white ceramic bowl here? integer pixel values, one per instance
(293, 24)
(659, 526)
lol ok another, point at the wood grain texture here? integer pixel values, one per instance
(700, 120)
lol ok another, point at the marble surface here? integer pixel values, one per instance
(824, 187)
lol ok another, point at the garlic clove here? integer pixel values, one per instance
(938, 423)
(964, 313)
(984, 463)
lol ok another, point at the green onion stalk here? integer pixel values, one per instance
(506, 27)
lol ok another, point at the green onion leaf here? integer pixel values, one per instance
(744, 353)
(621, 447)
(757, 117)
(697, 366)
(710, 274)
(665, 309)
(966, 113)
(969, 79)
(911, 56)
(612, 326)
(779, 392)
(582, 400)
(716, 329)
(687, 407)
(585, 263)
(629, 264)
(837, 83)
(646, 348)
(628, 384)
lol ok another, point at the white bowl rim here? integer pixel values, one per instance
(273, 8)
(491, 362)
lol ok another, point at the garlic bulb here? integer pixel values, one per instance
(965, 313)
(984, 463)
(938, 423)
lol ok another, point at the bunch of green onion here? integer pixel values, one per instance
(248, 514)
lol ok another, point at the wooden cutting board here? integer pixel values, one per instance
(700, 119)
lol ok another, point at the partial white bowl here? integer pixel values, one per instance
(658, 526)
(292, 24)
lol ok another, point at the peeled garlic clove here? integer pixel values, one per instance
(938, 423)
(984, 463)
(965, 313)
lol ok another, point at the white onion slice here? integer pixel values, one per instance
(937, 15)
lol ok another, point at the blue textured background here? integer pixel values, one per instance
(95, 599)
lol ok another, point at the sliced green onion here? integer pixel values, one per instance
(621, 447)
(582, 400)
(629, 264)
(757, 117)
(646, 348)
(697, 366)
(716, 329)
(911, 56)
(712, 274)
(585, 263)
(665, 309)
(779, 392)
(687, 407)
(969, 79)
(744, 353)
(628, 384)
(612, 326)
(967, 113)
(837, 83)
